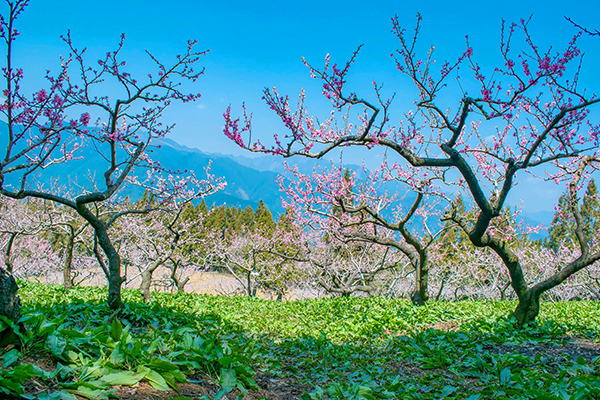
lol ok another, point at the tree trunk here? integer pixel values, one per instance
(7, 256)
(421, 295)
(439, 293)
(147, 276)
(179, 283)
(115, 280)
(503, 291)
(145, 285)
(10, 304)
(67, 271)
(249, 283)
(528, 308)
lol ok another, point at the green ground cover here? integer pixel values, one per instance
(194, 346)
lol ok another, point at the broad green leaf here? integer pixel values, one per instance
(163, 365)
(71, 333)
(505, 376)
(170, 379)
(93, 385)
(448, 390)
(228, 379)
(154, 378)
(116, 328)
(59, 395)
(46, 328)
(92, 394)
(365, 392)
(221, 393)
(27, 371)
(9, 386)
(116, 357)
(10, 358)
(126, 378)
(57, 345)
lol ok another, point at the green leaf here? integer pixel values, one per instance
(117, 357)
(116, 328)
(505, 376)
(60, 395)
(163, 365)
(10, 358)
(316, 394)
(28, 371)
(46, 328)
(125, 378)
(92, 394)
(221, 393)
(92, 385)
(365, 392)
(448, 390)
(228, 379)
(8, 386)
(57, 345)
(154, 378)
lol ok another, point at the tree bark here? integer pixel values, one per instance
(421, 294)
(115, 280)
(67, 270)
(10, 304)
(528, 308)
(7, 256)
(147, 278)
(179, 282)
(145, 284)
(249, 284)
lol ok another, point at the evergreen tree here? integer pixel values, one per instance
(264, 218)
(590, 210)
(245, 219)
(202, 208)
(562, 229)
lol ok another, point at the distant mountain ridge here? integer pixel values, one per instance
(245, 186)
(249, 178)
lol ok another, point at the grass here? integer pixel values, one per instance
(203, 346)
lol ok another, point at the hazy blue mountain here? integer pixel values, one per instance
(245, 185)
(537, 218)
(249, 179)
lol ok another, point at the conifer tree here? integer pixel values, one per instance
(590, 210)
(264, 218)
(562, 229)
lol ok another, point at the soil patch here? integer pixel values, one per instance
(572, 347)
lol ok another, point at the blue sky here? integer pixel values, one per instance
(260, 44)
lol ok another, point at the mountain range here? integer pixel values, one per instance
(249, 179)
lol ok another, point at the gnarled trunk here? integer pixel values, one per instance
(7, 253)
(177, 279)
(115, 280)
(145, 284)
(67, 269)
(147, 279)
(421, 294)
(10, 304)
(528, 308)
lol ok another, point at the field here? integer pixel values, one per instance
(190, 346)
